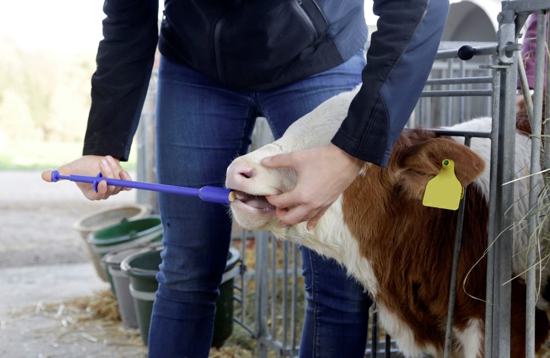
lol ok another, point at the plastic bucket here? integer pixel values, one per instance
(103, 218)
(125, 235)
(121, 282)
(142, 269)
(223, 321)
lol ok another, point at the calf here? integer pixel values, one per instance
(398, 249)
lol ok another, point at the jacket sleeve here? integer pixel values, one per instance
(124, 63)
(399, 60)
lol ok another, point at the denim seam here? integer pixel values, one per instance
(272, 125)
(264, 113)
(247, 123)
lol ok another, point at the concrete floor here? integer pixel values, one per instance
(44, 260)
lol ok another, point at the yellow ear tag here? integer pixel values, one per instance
(444, 191)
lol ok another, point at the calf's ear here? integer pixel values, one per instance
(419, 163)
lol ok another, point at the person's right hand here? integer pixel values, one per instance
(91, 165)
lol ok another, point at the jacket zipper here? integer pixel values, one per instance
(307, 21)
(320, 11)
(217, 49)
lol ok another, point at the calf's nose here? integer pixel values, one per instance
(238, 174)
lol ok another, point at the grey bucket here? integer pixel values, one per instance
(121, 282)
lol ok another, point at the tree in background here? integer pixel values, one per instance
(44, 95)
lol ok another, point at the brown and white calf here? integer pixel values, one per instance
(398, 249)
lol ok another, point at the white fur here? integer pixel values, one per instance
(403, 335)
(471, 339)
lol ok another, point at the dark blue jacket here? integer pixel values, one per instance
(257, 45)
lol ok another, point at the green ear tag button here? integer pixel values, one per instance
(444, 191)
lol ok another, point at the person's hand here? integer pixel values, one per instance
(91, 165)
(323, 174)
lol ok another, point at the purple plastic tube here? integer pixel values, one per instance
(207, 193)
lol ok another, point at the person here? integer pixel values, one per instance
(528, 56)
(223, 64)
(529, 50)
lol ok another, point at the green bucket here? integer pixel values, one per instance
(142, 269)
(223, 321)
(125, 235)
(104, 218)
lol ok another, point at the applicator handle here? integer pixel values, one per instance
(207, 193)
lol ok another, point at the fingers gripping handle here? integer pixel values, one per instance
(207, 193)
(82, 179)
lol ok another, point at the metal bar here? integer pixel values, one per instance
(525, 6)
(420, 113)
(368, 317)
(461, 133)
(145, 145)
(285, 292)
(489, 104)
(244, 325)
(479, 51)
(428, 111)
(492, 217)
(454, 269)
(461, 80)
(262, 256)
(413, 118)
(273, 287)
(525, 89)
(276, 345)
(449, 116)
(374, 335)
(387, 346)
(244, 282)
(546, 138)
(457, 93)
(533, 182)
(462, 88)
(505, 200)
(293, 312)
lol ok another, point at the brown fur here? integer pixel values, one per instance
(410, 247)
(522, 119)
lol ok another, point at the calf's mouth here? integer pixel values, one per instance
(258, 202)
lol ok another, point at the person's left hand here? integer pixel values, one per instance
(323, 174)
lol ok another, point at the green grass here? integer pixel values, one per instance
(24, 154)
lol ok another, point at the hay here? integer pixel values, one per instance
(94, 319)
(232, 351)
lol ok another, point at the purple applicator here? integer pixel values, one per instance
(207, 193)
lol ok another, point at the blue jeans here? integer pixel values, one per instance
(201, 127)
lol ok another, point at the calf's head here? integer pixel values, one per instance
(416, 158)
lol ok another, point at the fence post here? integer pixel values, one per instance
(504, 194)
(261, 278)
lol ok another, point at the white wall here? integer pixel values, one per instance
(469, 20)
